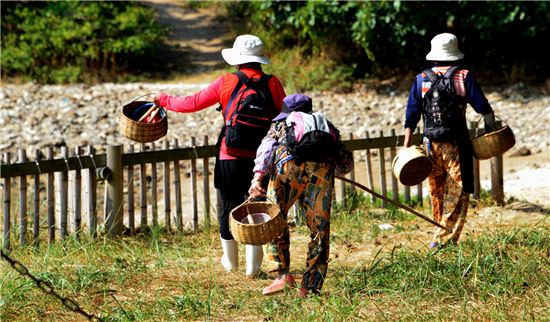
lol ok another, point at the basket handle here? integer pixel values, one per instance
(249, 200)
(140, 96)
(248, 215)
(496, 117)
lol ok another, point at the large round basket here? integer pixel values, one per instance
(141, 131)
(495, 143)
(260, 233)
(411, 166)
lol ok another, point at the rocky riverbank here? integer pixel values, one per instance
(36, 116)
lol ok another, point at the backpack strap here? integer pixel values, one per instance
(266, 92)
(242, 76)
(450, 72)
(430, 74)
(242, 80)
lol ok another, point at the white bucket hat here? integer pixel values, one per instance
(444, 48)
(246, 49)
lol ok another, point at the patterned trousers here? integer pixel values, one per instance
(449, 201)
(312, 185)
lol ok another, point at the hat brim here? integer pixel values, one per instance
(234, 58)
(442, 56)
(281, 116)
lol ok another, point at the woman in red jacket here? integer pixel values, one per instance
(233, 171)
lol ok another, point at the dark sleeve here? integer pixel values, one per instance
(414, 105)
(475, 96)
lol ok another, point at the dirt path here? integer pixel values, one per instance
(198, 34)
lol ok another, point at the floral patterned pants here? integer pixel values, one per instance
(311, 184)
(449, 201)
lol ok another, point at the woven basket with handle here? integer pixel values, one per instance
(141, 131)
(494, 143)
(261, 233)
(411, 166)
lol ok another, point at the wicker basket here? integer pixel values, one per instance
(256, 234)
(495, 143)
(411, 166)
(141, 131)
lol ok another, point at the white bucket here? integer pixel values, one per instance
(257, 218)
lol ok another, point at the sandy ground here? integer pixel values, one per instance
(525, 178)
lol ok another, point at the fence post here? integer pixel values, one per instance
(419, 193)
(143, 192)
(166, 181)
(131, 200)
(154, 190)
(77, 201)
(344, 186)
(50, 197)
(393, 153)
(342, 193)
(407, 194)
(382, 163)
(114, 191)
(22, 201)
(497, 188)
(369, 170)
(91, 182)
(63, 196)
(177, 190)
(206, 186)
(477, 183)
(7, 206)
(194, 189)
(352, 173)
(36, 204)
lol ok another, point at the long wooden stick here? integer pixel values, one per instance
(409, 209)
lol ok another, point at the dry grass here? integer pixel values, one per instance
(373, 275)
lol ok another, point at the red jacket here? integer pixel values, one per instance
(218, 92)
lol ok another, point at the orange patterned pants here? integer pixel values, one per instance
(449, 201)
(311, 184)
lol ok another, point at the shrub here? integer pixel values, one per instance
(68, 41)
(388, 38)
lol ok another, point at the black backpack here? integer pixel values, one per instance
(317, 142)
(443, 110)
(248, 115)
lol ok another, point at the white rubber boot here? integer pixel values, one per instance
(254, 257)
(230, 258)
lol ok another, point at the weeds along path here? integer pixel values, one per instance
(199, 34)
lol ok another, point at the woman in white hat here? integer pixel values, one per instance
(439, 95)
(233, 169)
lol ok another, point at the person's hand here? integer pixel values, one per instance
(490, 124)
(156, 99)
(256, 189)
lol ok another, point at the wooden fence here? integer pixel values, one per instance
(72, 179)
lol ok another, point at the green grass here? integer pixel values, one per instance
(502, 275)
